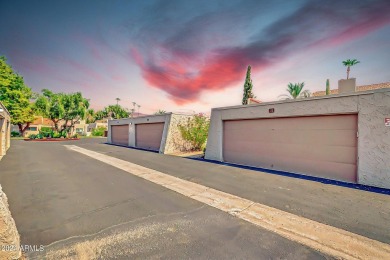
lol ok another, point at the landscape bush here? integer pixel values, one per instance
(46, 132)
(98, 131)
(32, 136)
(195, 131)
(15, 134)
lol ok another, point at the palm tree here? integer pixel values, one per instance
(295, 91)
(132, 112)
(117, 100)
(138, 108)
(349, 63)
(160, 112)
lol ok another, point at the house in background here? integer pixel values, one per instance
(5, 130)
(36, 126)
(97, 124)
(80, 128)
(358, 89)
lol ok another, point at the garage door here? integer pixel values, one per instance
(120, 134)
(148, 136)
(324, 146)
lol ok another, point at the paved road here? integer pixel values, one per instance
(74, 203)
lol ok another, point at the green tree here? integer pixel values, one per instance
(99, 115)
(349, 63)
(16, 96)
(195, 131)
(295, 91)
(327, 92)
(90, 116)
(160, 112)
(75, 109)
(117, 100)
(64, 110)
(247, 87)
(50, 105)
(117, 111)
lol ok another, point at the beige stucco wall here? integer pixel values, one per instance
(372, 108)
(174, 141)
(5, 130)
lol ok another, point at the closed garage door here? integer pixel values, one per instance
(120, 134)
(324, 146)
(148, 136)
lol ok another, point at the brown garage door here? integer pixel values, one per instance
(120, 134)
(324, 146)
(148, 136)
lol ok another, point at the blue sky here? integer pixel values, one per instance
(192, 55)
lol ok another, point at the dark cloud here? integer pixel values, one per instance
(184, 56)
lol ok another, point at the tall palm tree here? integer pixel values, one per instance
(117, 100)
(132, 112)
(349, 63)
(295, 91)
(138, 108)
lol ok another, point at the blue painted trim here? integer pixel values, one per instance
(304, 177)
(135, 148)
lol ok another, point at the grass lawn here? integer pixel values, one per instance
(17, 138)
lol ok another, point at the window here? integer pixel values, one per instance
(32, 128)
(79, 130)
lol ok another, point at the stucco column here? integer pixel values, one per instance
(8, 135)
(2, 136)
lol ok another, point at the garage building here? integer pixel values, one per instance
(341, 137)
(5, 130)
(156, 132)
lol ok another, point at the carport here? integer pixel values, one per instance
(155, 132)
(340, 137)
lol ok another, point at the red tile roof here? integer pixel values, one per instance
(358, 88)
(253, 101)
(39, 120)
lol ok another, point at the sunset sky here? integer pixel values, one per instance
(192, 55)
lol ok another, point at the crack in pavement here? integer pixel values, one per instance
(125, 223)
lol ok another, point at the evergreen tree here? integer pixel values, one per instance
(247, 87)
(327, 87)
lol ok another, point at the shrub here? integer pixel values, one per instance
(15, 134)
(32, 136)
(75, 136)
(46, 132)
(56, 135)
(98, 131)
(195, 131)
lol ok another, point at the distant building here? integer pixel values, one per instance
(97, 124)
(358, 88)
(35, 126)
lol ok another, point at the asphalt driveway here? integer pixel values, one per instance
(59, 198)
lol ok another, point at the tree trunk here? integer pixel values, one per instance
(348, 69)
(23, 129)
